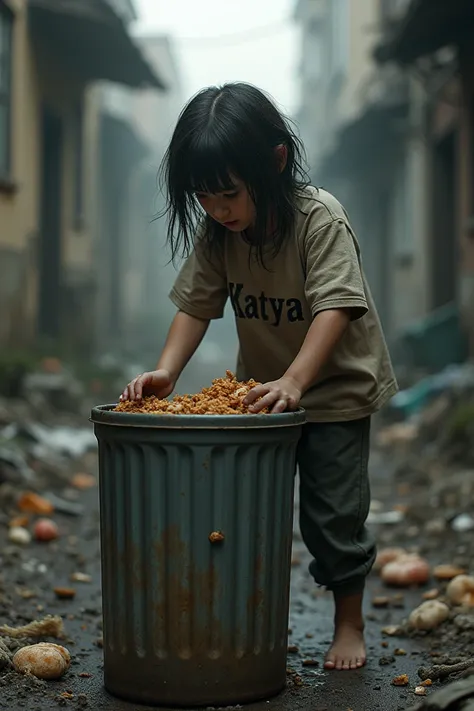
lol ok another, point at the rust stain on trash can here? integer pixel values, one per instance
(184, 619)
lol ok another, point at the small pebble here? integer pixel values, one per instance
(81, 578)
(420, 691)
(19, 535)
(380, 602)
(65, 593)
(401, 680)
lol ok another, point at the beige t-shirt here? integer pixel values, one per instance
(317, 269)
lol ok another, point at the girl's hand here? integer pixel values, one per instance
(155, 382)
(277, 396)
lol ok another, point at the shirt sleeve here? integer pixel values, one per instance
(334, 277)
(200, 289)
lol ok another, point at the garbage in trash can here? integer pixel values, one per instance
(196, 534)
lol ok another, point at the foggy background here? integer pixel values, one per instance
(89, 95)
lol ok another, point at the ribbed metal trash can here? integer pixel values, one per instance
(191, 618)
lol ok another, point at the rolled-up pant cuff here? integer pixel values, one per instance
(352, 586)
(346, 589)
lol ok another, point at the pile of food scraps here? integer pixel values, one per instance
(224, 397)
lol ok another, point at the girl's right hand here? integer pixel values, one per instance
(155, 382)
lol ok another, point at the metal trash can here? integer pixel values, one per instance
(196, 534)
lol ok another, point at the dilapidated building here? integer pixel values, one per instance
(51, 53)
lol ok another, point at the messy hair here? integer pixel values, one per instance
(225, 132)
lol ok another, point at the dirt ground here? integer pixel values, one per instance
(29, 574)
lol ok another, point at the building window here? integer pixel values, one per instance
(6, 25)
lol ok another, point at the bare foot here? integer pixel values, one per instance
(348, 648)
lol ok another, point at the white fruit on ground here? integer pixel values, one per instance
(19, 535)
(429, 615)
(460, 590)
(43, 660)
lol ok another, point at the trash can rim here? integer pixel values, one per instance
(105, 415)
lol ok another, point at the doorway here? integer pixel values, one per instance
(49, 308)
(445, 242)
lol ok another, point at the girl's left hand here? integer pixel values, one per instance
(277, 396)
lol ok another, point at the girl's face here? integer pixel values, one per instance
(234, 208)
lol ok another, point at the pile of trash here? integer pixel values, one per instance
(426, 539)
(44, 427)
(47, 453)
(430, 448)
(44, 445)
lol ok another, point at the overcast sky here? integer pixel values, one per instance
(262, 49)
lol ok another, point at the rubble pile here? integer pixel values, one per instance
(426, 539)
(46, 454)
(432, 459)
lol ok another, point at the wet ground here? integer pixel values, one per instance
(309, 687)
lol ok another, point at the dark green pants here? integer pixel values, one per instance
(334, 503)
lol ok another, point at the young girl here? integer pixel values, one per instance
(286, 256)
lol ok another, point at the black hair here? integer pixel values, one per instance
(227, 131)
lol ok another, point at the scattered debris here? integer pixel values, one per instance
(407, 569)
(442, 671)
(46, 530)
(401, 680)
(392, 630)
(428, 615)
(19, 535)
(387, 555)
(5, 655)
(385, 517)
(294, 679)
(386, 661)
(65, 593)
(83, 481)
(462, 523)
(460, 590)
(70, 508)
(447, 572)
(33, 503)
(50, 626)
(81, 578)
(420, 691)
(216, 537)
(21, 521)
(71, 442)
(451, 697)
(431, 594)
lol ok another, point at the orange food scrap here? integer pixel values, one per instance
(401, 680)
(83, 481)
(19, 522)
(30, 502)
(447, 572)
(65, 593)
(216, 537)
